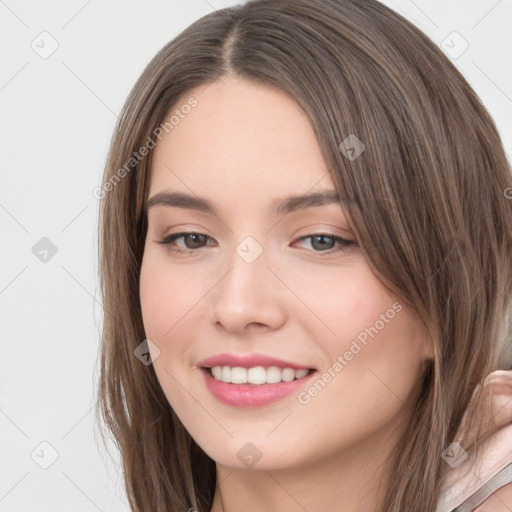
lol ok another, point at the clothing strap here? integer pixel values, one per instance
(498, 481)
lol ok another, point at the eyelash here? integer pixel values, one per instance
(168, 241)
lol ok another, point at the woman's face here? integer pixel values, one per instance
(265, 282)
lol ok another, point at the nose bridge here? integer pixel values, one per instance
(246, 280)
(248, 292)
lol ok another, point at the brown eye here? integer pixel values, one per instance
(195, 240)
(191, 241)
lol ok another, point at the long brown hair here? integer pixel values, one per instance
(428, 199)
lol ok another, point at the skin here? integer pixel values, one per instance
(241, 147)
(500, 501)
(494, 419)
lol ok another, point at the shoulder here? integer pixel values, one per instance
(500, 501)
(470, 482)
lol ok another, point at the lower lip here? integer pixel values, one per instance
(248, 395)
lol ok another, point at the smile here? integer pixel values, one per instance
(257, 375)
(243, 393)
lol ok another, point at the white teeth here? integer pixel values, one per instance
(256, 375)
(288, 374)
(226, 374)
(217, 372)
(238, 375)
(301, 373)
(273, 375)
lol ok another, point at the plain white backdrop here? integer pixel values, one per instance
(66, 70)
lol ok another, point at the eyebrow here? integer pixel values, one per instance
(279, 206)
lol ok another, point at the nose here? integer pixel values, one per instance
(249, 296)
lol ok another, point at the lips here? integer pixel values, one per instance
(249, 361)
(238, 393)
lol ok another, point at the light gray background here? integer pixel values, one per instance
(56, 118)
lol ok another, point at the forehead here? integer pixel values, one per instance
(239, 136)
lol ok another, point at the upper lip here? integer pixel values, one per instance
(249, 361)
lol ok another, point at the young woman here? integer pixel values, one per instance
(305, 241)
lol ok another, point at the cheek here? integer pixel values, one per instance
(155, 303)
(167, 293)
(376, 341)
(344, 303)
(165, 301)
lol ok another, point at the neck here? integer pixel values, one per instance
(355, 479)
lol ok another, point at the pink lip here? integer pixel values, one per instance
(249, 395)
(248, 361)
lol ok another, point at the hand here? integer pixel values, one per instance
(462, 482)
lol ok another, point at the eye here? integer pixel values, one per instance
(320, 243)
(326, 243)
(191, 240)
